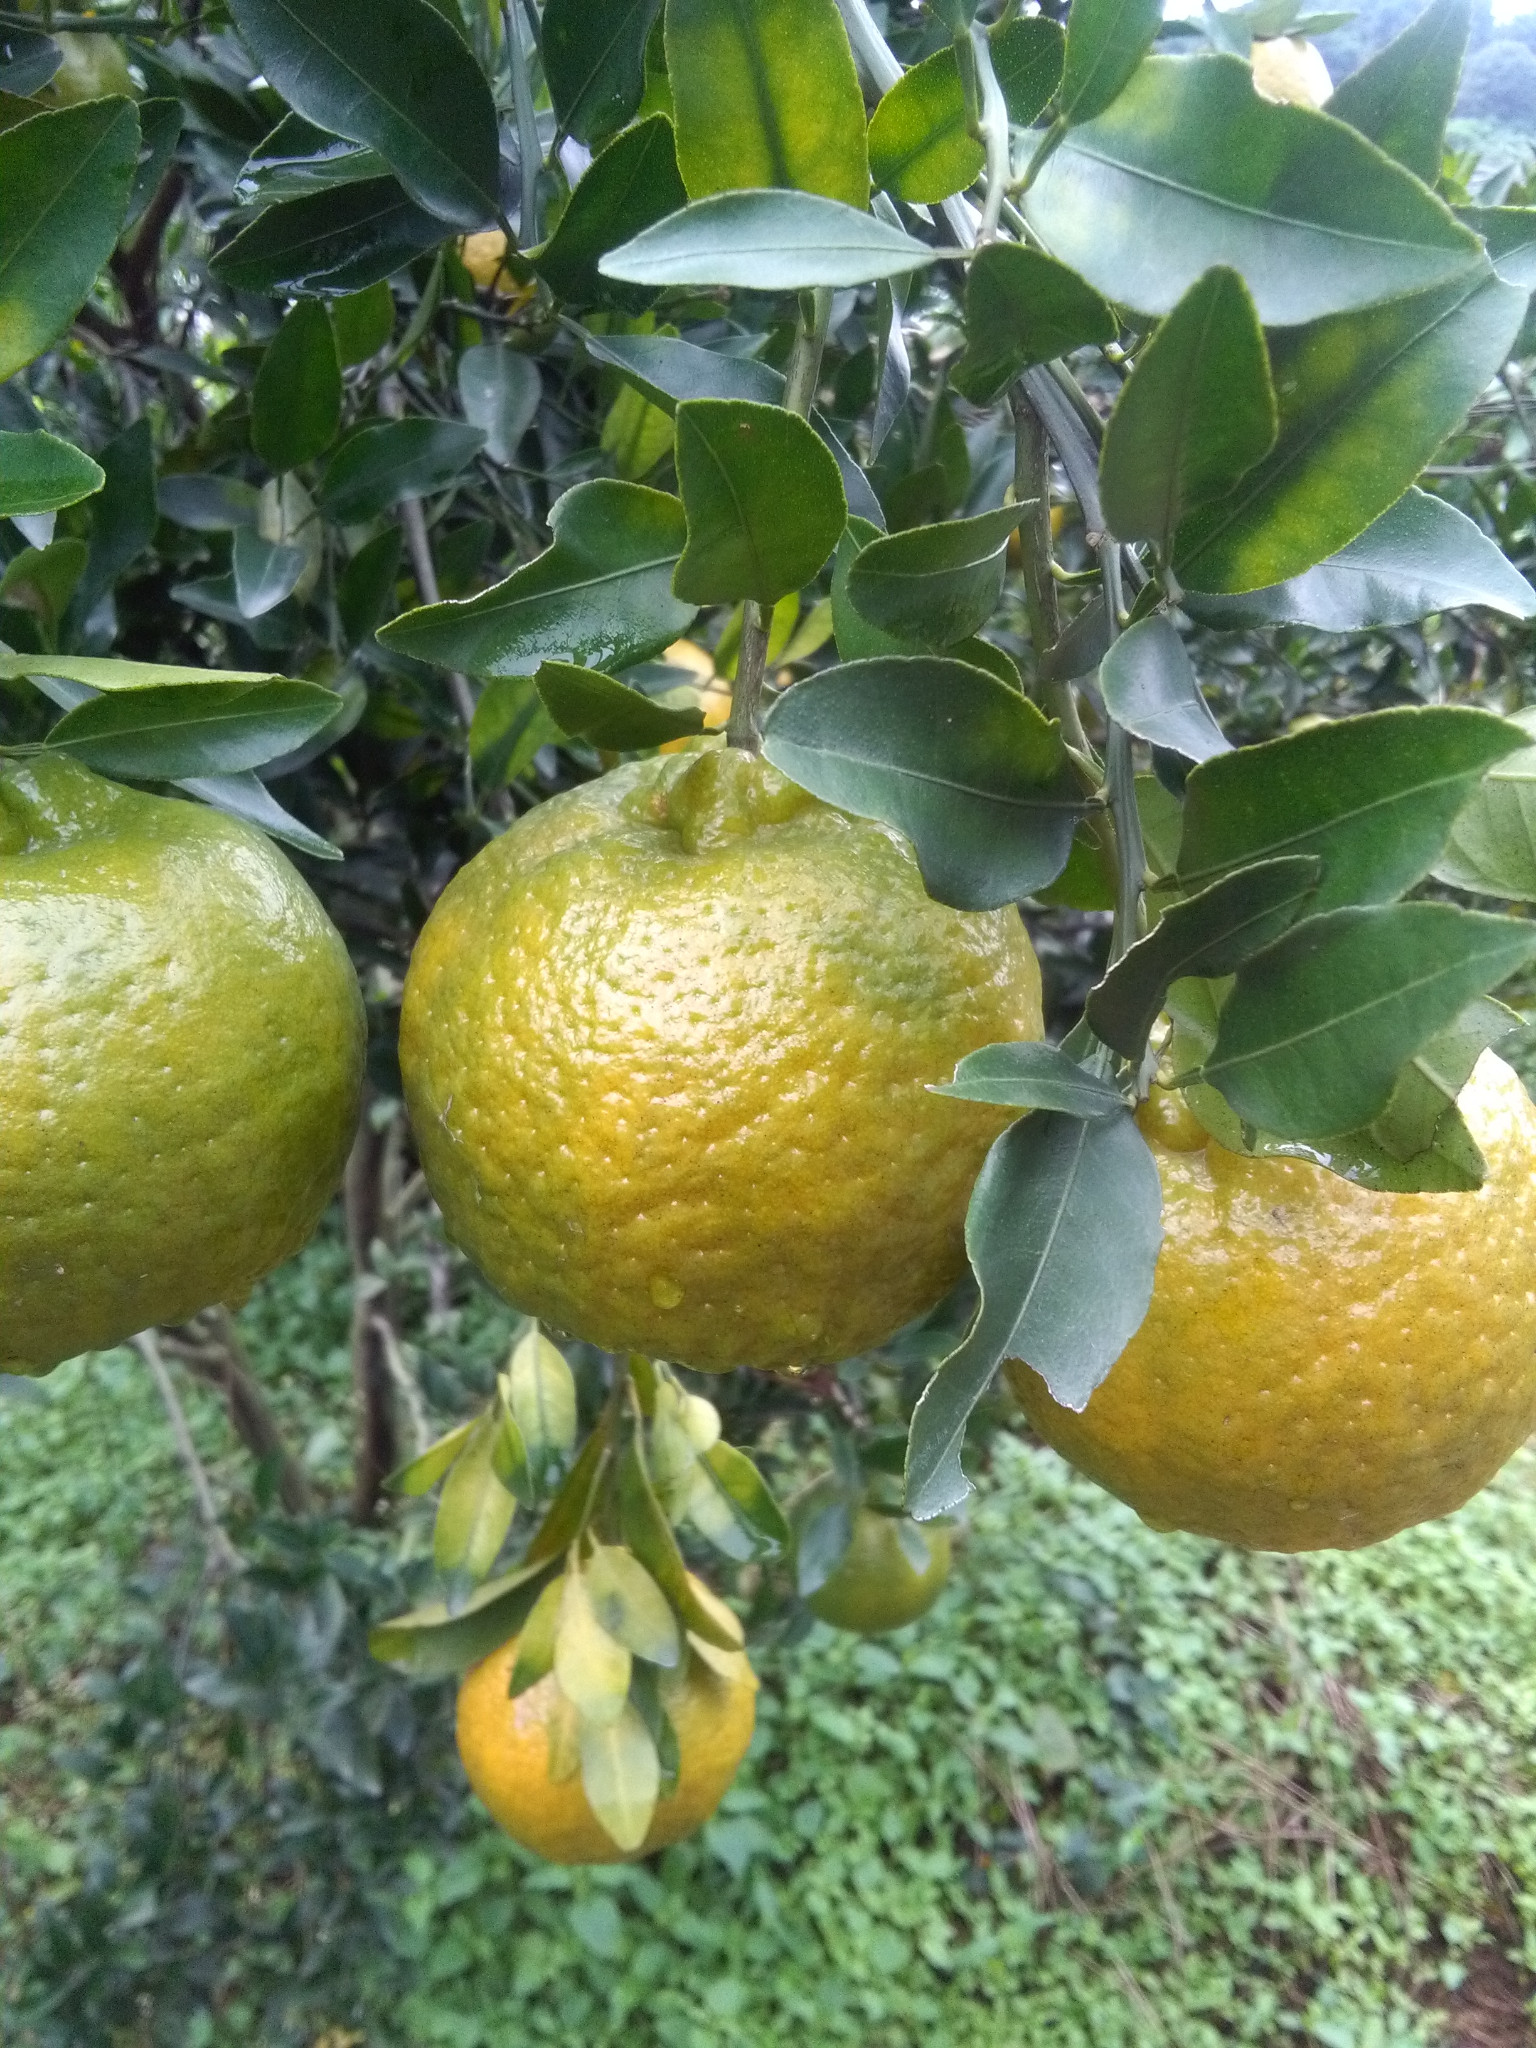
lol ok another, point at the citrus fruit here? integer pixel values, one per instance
(181, 1042)
(1322, 1365)
(93, 67)
(667, 1046)
(505, 1747)
(875, 1585)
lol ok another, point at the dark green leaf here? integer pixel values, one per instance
(1022, 307)
(920, 144)
(124, 512)
(509, 727)
(367, 584)
(1027, 57)
(1428, 1085)
(1030, 1074)
(594, 61)
(392, 74)
(28, 59)
(266, 571)
(1190, 169)
(1402, 96)
(1365, 400)
(766, 242)
(588, 705)
(857, 639)
(1082, 646)
(160, 734)
(42, 580)
(500, 392)
(208, 503)
(1195, 415)
(1419, 557)
(1207, 935)
(429, 1642)
(1106, 41)
(743, 1487)
(39, 473)
(247, 798)
(746, 111)
(1509, 235)
(1150, 687)
(1312, 1036)
(331, 243)
(363, 322)
(1492, 846)
(1373, 796)
(763, 497)
(822, 1541)
(933, 585)
(298, 158)
(379, 465)
(633, 183)
(159, 133)
(296, 403)
(1063, 1234)
(669, 371)
(649, 1535)
(66, 177)
(968, 769)
(601, 594)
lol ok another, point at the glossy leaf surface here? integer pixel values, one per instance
(381, 464)
(1022, 307)
(41, 473)
(330, 243)
(1032, 1074)
(499, 390)
(594, 60)
(296, 403)
(1150, 687)
(588, 705)
(164, 732)
(932, 586)
(920, 146)
(763, 498)
(766, 241)
(631, 184)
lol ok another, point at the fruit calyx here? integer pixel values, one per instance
(722, 793)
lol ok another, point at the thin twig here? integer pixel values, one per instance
(222, 1554)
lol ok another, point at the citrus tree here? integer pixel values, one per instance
(1014, 433)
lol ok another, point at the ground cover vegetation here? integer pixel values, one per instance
(422, 428)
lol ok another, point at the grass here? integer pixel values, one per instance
(1118, 1789)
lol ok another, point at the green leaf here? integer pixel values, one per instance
(423, 1472)
(100, 672)
(296, 403)
(363, 322)
(1150, 687)
(766, 242)
(1509, 235)
(633, 183)
(509, 727)
(857, 639)
(592, 1670)
(331, 243)
(822, 1540)
(208, 503)
(1022, 307)
(631, 1607)
(124, 512)
(392, 74)
(28, 59)
(367, 584)
(588, 705)
(1195, 415)
(747, 112)
(934, 585)
(1313, 1034)
(594, 62)
(1083, 645)
(429, 1642)
(203, 728)
(763, 497)
(621, 1776)
(1063, 1233)
(499, 390)
(40, 473)
(1373, 796)
(601, 594)
(1208, 935)
(298, 158)
(669, 371)
(159, 133)
(266, 571)
(541, 1395)
(1106, 41)
(1414, 1120)
(1420, 556)
(920, 144)
(1190, 169)
(743, 1486)
(649, 1535)
(381, 464)
(43, 580)
(1030, 1074)
(1402, 96)
(1027, 58)
(971, 771)
(1492, 845)
(66, 177)
(1365, 400)
(474, 1510)
(243, 796)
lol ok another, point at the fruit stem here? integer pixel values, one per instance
(1120, 781)
(1032, 491)
(744, 728)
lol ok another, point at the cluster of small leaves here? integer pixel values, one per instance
(601, 1601)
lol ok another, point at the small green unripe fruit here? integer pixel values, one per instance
(94, 68)
(876, 1585)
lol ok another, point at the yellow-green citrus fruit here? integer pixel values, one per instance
(181, 1042)
(875, 1586)
(505, 1747)
(667, 1046)
(93, 68)
(1321, 1365)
